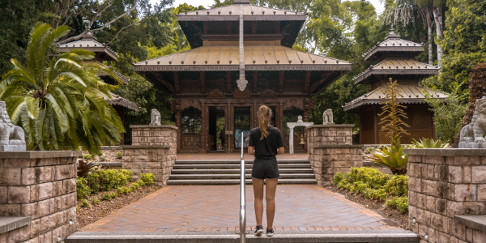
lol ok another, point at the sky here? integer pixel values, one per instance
(379, 6)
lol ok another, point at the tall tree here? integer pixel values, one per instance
(59, 100)
(436, 7)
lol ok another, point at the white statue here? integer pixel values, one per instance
(11, 136)
(327, 117)
(472, 135)
(155, 117)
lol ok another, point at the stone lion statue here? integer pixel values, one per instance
(155, 117)
(11, 136)
(472, 135)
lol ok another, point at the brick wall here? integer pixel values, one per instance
(444, 183)
(331, 150)
(153, 150)
(41, 185)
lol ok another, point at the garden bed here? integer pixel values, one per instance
(92, 213)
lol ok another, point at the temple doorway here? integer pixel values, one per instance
(216, 137)
(242, 126)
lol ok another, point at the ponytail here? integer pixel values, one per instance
(264, 114)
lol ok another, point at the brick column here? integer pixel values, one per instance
(40, 185)
(153, 150)
(445, 185)
(331, 150)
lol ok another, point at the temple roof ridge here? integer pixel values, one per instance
(233, 10)
(89, 42)
(394, 43)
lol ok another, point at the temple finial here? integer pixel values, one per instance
(392, 34)
(241, 1)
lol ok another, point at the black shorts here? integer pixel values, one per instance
(265, 168)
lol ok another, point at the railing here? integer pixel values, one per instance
(242, 196)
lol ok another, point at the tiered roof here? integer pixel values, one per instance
(395, 54)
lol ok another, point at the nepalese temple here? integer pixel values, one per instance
(393, 59)
(211, 109)
(103, 53)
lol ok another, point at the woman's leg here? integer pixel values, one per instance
(271, 187)
(258, 202)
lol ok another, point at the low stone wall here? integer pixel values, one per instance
(42, 186)
(331, 150)
(153, 150)
(444, 184)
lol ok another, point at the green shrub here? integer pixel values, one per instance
(338, 177)
(400, 203)
(123, 190)
(119, 155)
(141, 183)
(397, 186)
(94, 181)
(148, 178)
(87, 156)
(85, 203)
(134, 186)
(108, 196)
(82, 188)
(393, 158)
(95, 201)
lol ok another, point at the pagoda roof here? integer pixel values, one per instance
(117, 100)
(258, 56)
(396, 67)
(407, 94)
(89, 42)
(250, 13)
(394, 45)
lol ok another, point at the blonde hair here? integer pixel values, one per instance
(264, 114)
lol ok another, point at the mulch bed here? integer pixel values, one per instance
(393, 216)
(90, 214)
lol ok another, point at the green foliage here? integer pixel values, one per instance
(393, 158)
(102, 157)
(82, 188)
(464, 44)
(134, 186)
(148, 178)
(59, 100)
(85, 203)
(119, 155)
(376, 185)
(123, 190)
(95, 201)
(87, 156)
(448, 116)
(400, 203)
(393, 114)
(429, 143)
(107, 196)
(94, 181)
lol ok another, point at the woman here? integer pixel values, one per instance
(265, 142)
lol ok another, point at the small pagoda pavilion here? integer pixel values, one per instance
(103, 53)
(394, 59)
(212, 109)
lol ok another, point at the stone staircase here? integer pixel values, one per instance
(227, 172)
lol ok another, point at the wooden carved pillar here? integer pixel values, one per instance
(204, 126)
(280, 81)
(279, 118)
(229, 127)
(254, 116)
(179, 131)
(205, 27)
(202, 76)
(376, 124)
(177, 83)
(228, 82)
(307, 108)
(255, 82)
(307, 82)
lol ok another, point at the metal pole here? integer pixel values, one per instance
(242, 196)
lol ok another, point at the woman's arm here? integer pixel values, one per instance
(280, 150)
(251, 150)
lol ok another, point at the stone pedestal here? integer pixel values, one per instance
(39, 187)
(331, 150)
(153, 150)
(445, 186)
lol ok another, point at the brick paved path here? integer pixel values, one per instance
(215, 209)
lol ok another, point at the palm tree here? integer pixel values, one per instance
(59, 100)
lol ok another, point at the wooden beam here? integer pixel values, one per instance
(281, 75)
(228, 82)
(253, 27)
(255, 82)
(177, 83)
(228, 27)
(205, 27)
(202, 77)
(324, 77)
(307, 81)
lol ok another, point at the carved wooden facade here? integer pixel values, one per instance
(203, 80)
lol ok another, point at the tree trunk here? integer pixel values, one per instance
(430, 38)
(438, 28)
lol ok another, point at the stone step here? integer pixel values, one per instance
(284, 237)
(231, 176)
(231, 166)
(280, 161)
(235, 181)
(237, 171)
